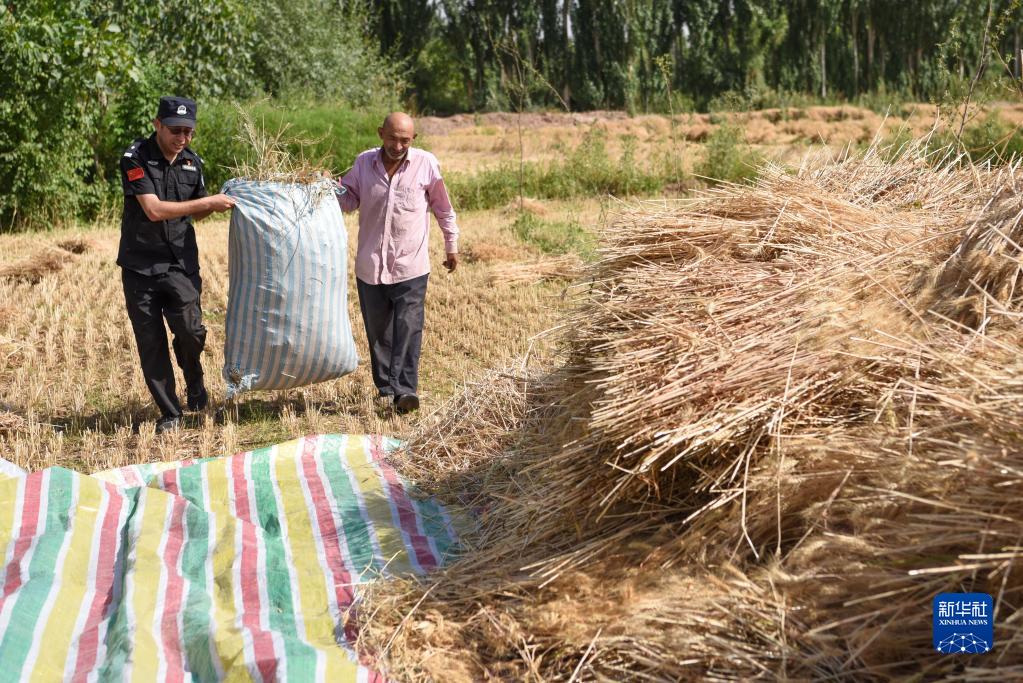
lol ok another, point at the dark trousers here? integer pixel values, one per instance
(174, 296)
(393, 315)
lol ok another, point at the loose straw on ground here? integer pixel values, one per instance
(787, 418)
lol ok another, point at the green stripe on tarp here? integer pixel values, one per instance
(120, 639)
(350, 513)
(301, 657)
(198, 645)
(17, 640)
(434, 527)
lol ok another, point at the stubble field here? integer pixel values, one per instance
(72, 392)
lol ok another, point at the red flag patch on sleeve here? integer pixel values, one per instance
(135, 173)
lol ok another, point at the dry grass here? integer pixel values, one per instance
(72, 390)
(566, 267)
(275, 161)
(75, 245)
(34, 268)
(786, 418)
(528, 205)
(488, 252)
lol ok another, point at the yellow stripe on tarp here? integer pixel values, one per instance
(227, 636)
(12, 492)
(312, 585)
(60, 626)
(385, 527)
(147, 569)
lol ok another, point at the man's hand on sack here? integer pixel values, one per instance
(219, 202)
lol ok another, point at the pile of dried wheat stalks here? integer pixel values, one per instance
(789, 415)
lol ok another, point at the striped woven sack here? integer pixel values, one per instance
(287, 312)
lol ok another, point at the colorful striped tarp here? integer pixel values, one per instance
(287, 307)
(236, 568)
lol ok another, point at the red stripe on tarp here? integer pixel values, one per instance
(328, 530)
(88, 642)
(171, 636)
(262, 642)
(406, 512)
(29, 526)
(132, 477)
(168, 481)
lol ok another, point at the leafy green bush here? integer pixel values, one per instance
(80, 80)
(205, 46)
(320, 49)
(989, 139)
(57, 67)
(993, 138)
(727, 156)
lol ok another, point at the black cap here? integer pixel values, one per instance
(176, 111)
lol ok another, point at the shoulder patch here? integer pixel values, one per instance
(135, 174)
(132, 148)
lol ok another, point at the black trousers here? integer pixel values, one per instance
(393, 315)
(173, 296)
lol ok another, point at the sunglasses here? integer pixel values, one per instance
(180, 130)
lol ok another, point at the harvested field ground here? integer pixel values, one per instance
(71, 391)
(467, 143)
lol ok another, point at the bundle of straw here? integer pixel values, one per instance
(788, 418)
(33, 269)
(274, 157)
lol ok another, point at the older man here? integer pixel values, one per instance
(395, 186)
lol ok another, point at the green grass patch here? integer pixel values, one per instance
(588, 170)
(554, 237)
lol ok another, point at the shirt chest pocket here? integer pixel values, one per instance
(411, 198)
(181, 184)
(159, 178)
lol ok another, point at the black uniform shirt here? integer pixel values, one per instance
(148, 247)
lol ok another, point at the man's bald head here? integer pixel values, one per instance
(399, 120)
(397, 134)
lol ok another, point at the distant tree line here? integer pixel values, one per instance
(79, 78)
(619, 54)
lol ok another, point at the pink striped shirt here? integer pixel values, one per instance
(394, 224)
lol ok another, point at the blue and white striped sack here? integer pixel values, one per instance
(287, 306)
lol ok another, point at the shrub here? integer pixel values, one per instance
(727, 155)
(989, 139)
(328, 133)
(57, 70)
(993, 138)
(80, 81)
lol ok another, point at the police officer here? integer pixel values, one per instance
(163, 192)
